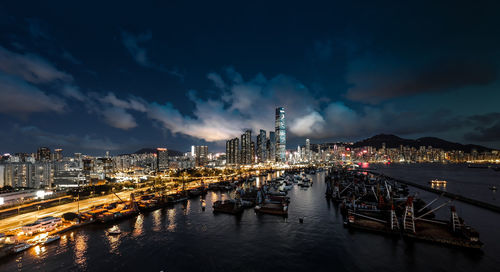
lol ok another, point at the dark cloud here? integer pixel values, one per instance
(119, 118)
(376, 80)
(323, 50)
(484, 119)
(37, 29)
(486, 127)
(30, 67)
(20, 97)
(485, 133)
(132, 43)
(69, 57)
(140, 55)
(86, 142)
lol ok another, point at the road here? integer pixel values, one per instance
(22, 219)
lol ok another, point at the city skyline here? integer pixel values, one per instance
(341, 76)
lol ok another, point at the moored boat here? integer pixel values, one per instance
(272, 208)
(51, 239)
(228, 206)
(20, 247)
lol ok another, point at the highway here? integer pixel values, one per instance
(22, 219)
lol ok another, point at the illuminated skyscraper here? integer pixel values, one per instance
(43, 154)
(58, 154)
(271, 153)
(262, 146)
(201, 155)
(280, 129)
(308, 150)
(233, 151)
(161, 159)
(246, 147)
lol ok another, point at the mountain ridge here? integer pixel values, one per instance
(393, 141)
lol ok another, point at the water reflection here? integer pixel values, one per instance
(157, 220)
(186, 207)
(81, 250)
(138, 226)
(114, 243)
(171, 220)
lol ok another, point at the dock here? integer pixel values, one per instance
(453, 196)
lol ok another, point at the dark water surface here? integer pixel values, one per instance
(185, 238)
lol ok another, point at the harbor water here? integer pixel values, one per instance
(186, 238)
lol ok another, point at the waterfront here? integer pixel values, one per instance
(185, 238)
(474, 183)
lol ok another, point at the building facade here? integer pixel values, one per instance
(246, 147)
(161, 159)
(262, 146)
(233, 151)
(280, 130)
(201, 155)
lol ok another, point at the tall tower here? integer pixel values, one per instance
(272, 147)
(280, 130)
(161, 159)
(262, 146)
(308, 150)
(246, 147)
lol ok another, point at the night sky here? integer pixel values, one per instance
(96, 76)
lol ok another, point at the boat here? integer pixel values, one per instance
(114, 231)
(228, 206)
(194, 192)
(272, 208)
(437, 182)
(51, 239)
(21, 247)
(304, 184)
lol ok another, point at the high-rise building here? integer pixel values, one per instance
(308, 150)
(201, 155)
(58, 154)
(271, 154)
(233, 151)
(43, 154)
(161, 159)
(262, 146)
(280, 129)
(246, 147)
(252, 151)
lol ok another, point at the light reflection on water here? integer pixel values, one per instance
(138, 226)
(171, 220)
(200, 239)
(156, 220)
(80, 250)
(114, 243)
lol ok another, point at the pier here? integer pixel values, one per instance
(453, 196)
